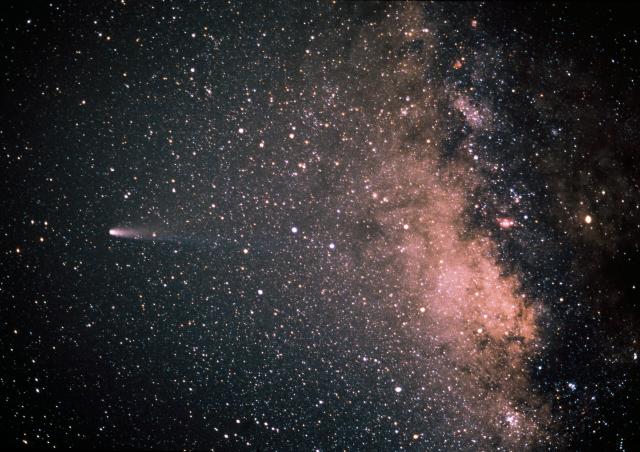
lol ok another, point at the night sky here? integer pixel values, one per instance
(320, 226)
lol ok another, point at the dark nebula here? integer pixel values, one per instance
(320, 226)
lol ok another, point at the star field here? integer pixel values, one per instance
(320, 226)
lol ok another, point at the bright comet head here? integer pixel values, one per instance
(128, 233)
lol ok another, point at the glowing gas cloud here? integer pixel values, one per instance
(474, 327)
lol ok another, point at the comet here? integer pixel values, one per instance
(133, 233)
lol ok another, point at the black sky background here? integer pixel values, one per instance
(114, 332)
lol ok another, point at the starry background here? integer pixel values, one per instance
(307, 171)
